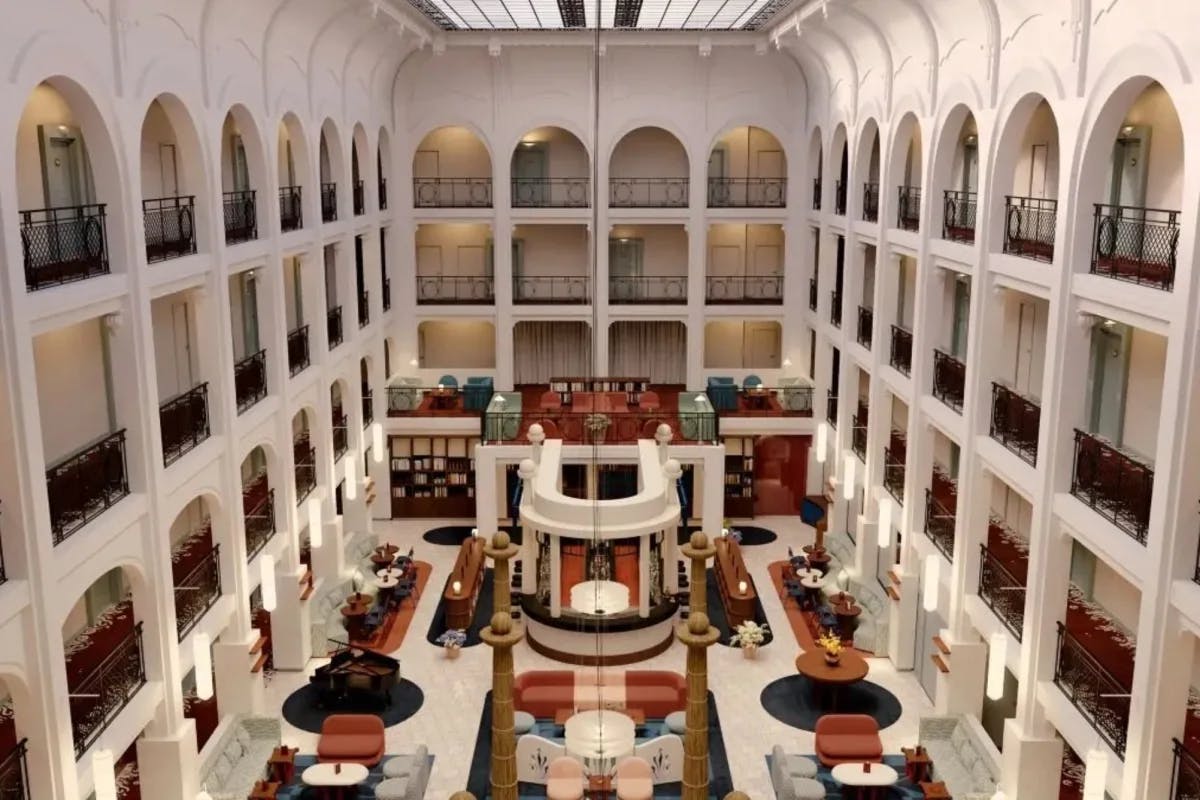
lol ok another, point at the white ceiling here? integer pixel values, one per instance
(694, 15)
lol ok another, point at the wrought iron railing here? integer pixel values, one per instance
(368, 408)
(241, 216)
(648, 192)
(364, 309)
(170, 224)
(816, 194)
(831, 410)
(387, 294)
(87, 483)
(260, 525)
(291, 208)
(908, 208)
(574, 427)
(1101, 698)
(939, 524)
(866, 326)
(99, 697)
(747, 192)
(250, 380)
(839, 198)
(870, 209)
(552, 289)
(297, 344)
(1000, 590)
(743, 289)
(197, 592)
(1135, 244)
(452, 192)
(813, 294)
(61, 245)
(14, 773)
(893, 474)
(551, 192)
(329, 210)
(949, 379)
(647, 289)
(1113, 483)
(835, 308)
(306, 470)
(901, 354)
(341, 438)
(183, 422)
(1185, 773)
(455, 290)
(858, 436)
(1015, 421)
(359, 198)
(382, 189)
(958, 216)
(333, 326)
(1029, 227)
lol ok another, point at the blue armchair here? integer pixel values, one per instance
(752, 382)
(477, 393)
(448, 382)
(722, 393)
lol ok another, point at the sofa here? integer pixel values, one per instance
(326, 620)
(239, 757)
(847, 738)
(872, 631)
(963, 756)
(351, 739)
(477, 393)
(722, 393)
(413, 769)
(655, 692)
(404, 394)
(796, 394)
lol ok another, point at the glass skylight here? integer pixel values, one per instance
(692, 15)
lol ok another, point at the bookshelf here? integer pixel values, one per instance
(632, 387)
(739, 476)
(433, 476)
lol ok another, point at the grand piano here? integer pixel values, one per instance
(356, 677)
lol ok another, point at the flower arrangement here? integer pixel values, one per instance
(749, 633)
(596, 423)
(831, 643)
(452, 641)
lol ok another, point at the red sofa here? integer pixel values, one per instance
(848, 738)
(656, 693)
(351, 739)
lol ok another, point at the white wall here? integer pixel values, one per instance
(459, 247)
(649, 153)
(749, 153)
(457, 344)
(1143, 394)
(460, 154)
(48, 108)
(171, 348)
(554, 249)
(727, 345)
(1116, 594)
(157, 131)
(1042, 129)
(1164, 171)
(745, 249)
(565, 156)
(71, 387)
(664, 247)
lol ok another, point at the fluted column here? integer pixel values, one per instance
(501, 550)
(501, 636)
(697, 635)
(699, 551)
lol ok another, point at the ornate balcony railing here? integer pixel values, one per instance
(958, 216)
(816, 194)
(368, 408)
(183, 422)
(647, 289)
(1185, 774)
(241, 216)
(893, 474)
(552, 289)
(101, 695)
(831, 410)
(14, 774)
(743, 289)
(333, 326)
(1113, 483)
(1029, 227)
(260, 525)
(250, 380)
(1100, 697)
(455, 290)
(364, 309)
(329, 202)
(382, 189)
(61, 245)
(170, 224)
(949, 379)
(341, 438)
(197, 591)
(387, 294)
(1001, 591)
(551, 192)
(858, 436)
(360, 198)
(901, 355)
(835, 308)
(1134, 244)
(297, 344)
(306, 470)
(1015, 421)
(291, 208)
(452, 192)
(84, 485)
(866, 326)
(939, 524)
(747, 192)
(648, 192)
(908, 208)
(839, 198)
(813, 294)
(870, 209)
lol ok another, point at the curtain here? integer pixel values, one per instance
(545, 350)
(652, 349)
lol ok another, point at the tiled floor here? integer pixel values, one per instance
(454, 689)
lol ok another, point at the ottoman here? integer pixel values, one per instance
(395, 788)
(677, 722)
(792, 765)
(522, 722)
(805, 789)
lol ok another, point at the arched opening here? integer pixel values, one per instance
(747, 168)
(906, 172)
(648, 169)
(544, 349)
(452, 168)
(745, 264)
(1027, 164)
(383, 167)
(183, 412)
(358, 184)
(647, 264)
(242, 172)
(868, 157)
(294, 172)
(67, 182)
(258, 502)
(172, 179)
(816, 157)
(956, 169)
(14, 774)
(368, 396)
(656, 349)
(304, 454)
(195, 564)
(551, 264)
(249, 353)
(331, 170)
(840, 151)
(550, 169)
(341, 423)
(455, 263)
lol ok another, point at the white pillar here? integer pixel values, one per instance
(529, 559)
(902, 619)
(713, 513)
(291, 627)
(555, 575)
(1030, 763)
(644, 575)
(168, 766)
(329, 560)
(239, 691)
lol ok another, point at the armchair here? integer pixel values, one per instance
(722, 393)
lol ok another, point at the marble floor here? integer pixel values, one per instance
(454, 690)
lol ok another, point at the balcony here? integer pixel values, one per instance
(1015, 422)
(328, 202)
(901, 354)
(1139, 245)
(197, 589)
(250, 380)
(364, 309)
(297, 344)
(839, 198)
(812, 294)
(648, 290)
(1029, 227)
(305, 456)
(893, 473)
(747, 192)
(360, 198)
(61, 245)
(866, 326)
(101, 693)
(333, 326)
(368, 408)
(835, 308)
(291, 208)
(260, 522)
(1001, 591)
(183, 422)
(1115, 484)
(744, 289)
(241, 216)
(816, 194)
(170, 224)
(858, 433)
(870, 209)
(1100, 697)
(831, 410)
(958, 216)
(14, 776)
(84, 485)
(552, 289)
(648, 192)
(551, 192)
(949, 379)
(1185, 774)
(452, 192)
(455, 290)
(939, 524)
(382, 189)
(341, 439)
(387, 294)
(908, 208)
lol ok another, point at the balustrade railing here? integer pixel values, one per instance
(893, 474)
(1140, 245)
(452, 192)
(551, 192)
(949, 379)
(197, 591)
(835, 308)
(839, 198)
(333, 326)
(241, 216)
(816, 194)
(341, 438)
(939, 524)
(813, 294)
(84, 485)
(866, 326)
(382, 189)
(958, 216)
(14, 773)
(1185, 773)
(250, 380)
(901, 354)
(306, 470)
(455, 290)
(61, 245)
(743, 289)
(1015, 422)
(1100, 697)
(858, 436)
(329, 209)
(552, 289)
(1029, 227)
(831, 410)
(908, 208)
(387, 294)
(364, 309)
(1000, 591)
(99, 697)
(747, 192)
(291, 208)
(360, 198)
(648, 192)
(183, 422)
(1113, 483)
(368, 408)
(260, 525)
(647, 289)
(170, 225)
(297, 344)
(870, 209)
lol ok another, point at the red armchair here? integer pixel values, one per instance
(351, 739)
(847, 738)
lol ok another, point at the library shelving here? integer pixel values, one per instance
(739, 476)
(632, 387)
(433, 476)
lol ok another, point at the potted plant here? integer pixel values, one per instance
(748, 636)
(597, 426)
(452, 641)
(831, 643)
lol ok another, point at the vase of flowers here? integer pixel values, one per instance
(831, 643)
(452, 642)
(596, 426)
(748, 636)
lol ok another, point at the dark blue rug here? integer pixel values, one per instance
(790, 700)
(716, 613)
(483, 613)
(903, 789)
(454, 535)
(296, 790)
(752, 535)
(301, 709)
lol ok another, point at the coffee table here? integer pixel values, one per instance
(828, 679)
(870, 784)
(333, 783)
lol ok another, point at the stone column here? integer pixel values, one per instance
(699, 551)
(501, 636)
(500, 550)
(698, 635)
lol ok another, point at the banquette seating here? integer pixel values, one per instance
(730, 573)
(656, 693)
(351, 738)
(468, 571)
(847, 738)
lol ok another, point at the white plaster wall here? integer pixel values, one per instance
(1143, 394)
(460, 249)
(71, 387)
(554, 249)
(664, 247)
(726, 345)
(649, 152)
(457, 344)
(745, 249)
(1041, 130)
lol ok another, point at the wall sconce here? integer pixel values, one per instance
(456, 587)
(314, 522)
(787, 362)
(885, 522)
(822, 441)
(104, 778)
(377, 442)
(351, 476)
(474, 533)
(202, 663)
(742, 586)
(848, 475)
(412, 362)
(933, 569)
(997, 648)
(267, 563)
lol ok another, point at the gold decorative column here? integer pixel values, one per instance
(500, 551)
(469, 796)
(501, 635)
(699, 550)
(698, 636)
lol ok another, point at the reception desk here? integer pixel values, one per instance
(730, 571)
(468, 572)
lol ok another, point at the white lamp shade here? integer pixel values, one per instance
(822, 441)
(999, 795)
(456, 587)
(1095, 774)
(202, 661)
(377, 442)
(267, 563)
(104, 776)
(742, 587)
(314, 522)
(351, 469)
(848, 475)
(474, 533)
(203, 795)
(440, 387)
(997, 652)
(885, 522)
(725, 532)
(933, 569)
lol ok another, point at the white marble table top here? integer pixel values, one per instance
(600, 735)
(592, 597)
(326, 775)
(853, 775)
